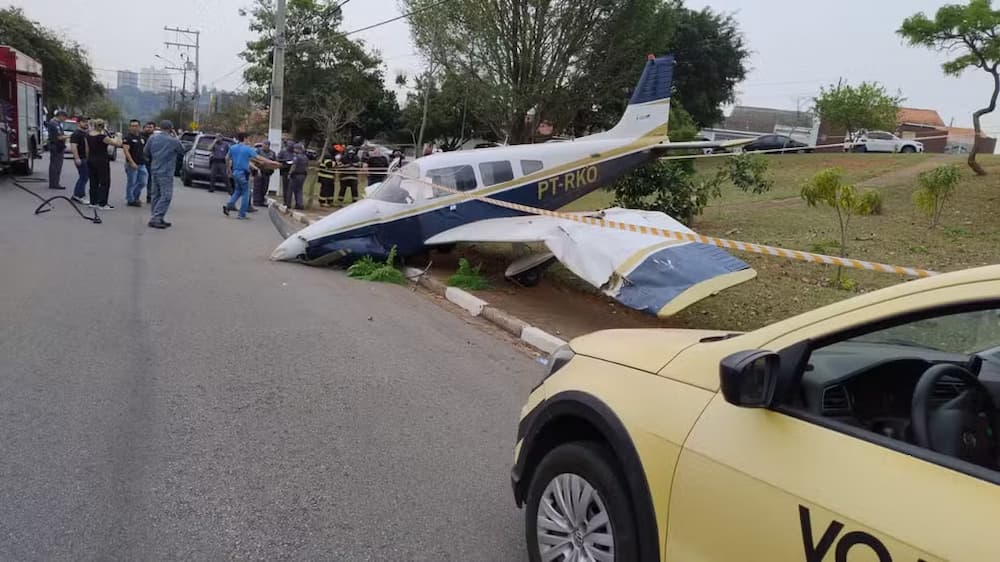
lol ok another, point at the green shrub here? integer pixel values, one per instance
(468, 277)
(936, 187)
(370, 270)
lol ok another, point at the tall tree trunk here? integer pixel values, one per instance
(976, 124)
(423, 120)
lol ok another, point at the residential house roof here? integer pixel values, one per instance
(916, 116)
(763, 120)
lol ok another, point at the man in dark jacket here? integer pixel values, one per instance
(263, 177)
(57, 146)
(217, 164)
(297, 176)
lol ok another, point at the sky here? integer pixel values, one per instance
(797, 45)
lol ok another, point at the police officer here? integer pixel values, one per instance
(285, 157)
(327, 181)
(263, 176)
(350, 163)
(297, 176)
(217, 164)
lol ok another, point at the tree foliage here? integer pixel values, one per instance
(103, 107)
(69, 79)
(828, 188)
(453, 114)
(674, 187)
(574, 62)
(233, 116)
(866, 106)
(936, 188)
(319, 59)
(971, 33)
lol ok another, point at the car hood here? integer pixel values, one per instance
(642, 349)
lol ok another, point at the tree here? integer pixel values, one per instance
(866, 106)
(331, 113)
(827, 187)
(233, 116)
(578, 76)
(936, 187)
(105, 108)
(319, 59)
(452, 116)
(69, 79)
(972, 34)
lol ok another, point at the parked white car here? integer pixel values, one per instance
(881, 141)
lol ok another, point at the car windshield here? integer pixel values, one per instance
(69, 126)
(403, 187)
(965, 333)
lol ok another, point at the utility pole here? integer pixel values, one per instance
(189, 33)
(277, 87)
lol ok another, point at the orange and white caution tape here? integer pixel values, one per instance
(796, 255)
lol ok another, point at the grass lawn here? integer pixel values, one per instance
(788, 172)
(968, 236)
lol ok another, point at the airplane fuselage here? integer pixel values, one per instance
(542, 176)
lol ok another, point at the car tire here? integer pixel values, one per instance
(592, 465)
(186, 179)
(908, 149)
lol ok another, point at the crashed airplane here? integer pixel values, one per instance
(426, 204)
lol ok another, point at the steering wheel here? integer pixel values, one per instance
(964, 427)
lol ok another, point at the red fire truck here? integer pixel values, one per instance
(20, 110)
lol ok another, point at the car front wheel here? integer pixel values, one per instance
(908, 149)
(578, 508)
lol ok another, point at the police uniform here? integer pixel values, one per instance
(327, 182)
(296, 179)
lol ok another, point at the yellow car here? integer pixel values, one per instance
(862, 431)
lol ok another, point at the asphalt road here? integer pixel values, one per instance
(174, 395)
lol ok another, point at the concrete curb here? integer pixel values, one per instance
(475, 306)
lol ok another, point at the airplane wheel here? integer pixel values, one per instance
(530, 278)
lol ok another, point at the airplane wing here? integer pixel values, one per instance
(700, 145)
(647, 273)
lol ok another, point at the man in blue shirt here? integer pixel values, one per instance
(57, 146)
(238, 161)
(161, 152)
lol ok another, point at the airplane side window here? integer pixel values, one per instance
(462, 178)
(496, 172)
(531, 166)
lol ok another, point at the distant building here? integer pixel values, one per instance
(751, 122)
(154, 80)
(926, 126)
(128, 79)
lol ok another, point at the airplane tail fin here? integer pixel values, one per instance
(648, 111)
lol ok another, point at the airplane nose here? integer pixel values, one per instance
(289, 250)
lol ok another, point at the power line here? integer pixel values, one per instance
(230, 73)
(342, 4)
(397, 18)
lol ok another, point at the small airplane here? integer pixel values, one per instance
(426, 204)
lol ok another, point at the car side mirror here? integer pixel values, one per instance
(748, 378)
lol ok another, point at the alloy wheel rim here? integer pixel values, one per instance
(573, 523)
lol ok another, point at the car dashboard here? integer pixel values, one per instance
(871, 385)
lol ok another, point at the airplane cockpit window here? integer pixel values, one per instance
(496, 172)
(461, 178)
(403, 187)
(531, 166)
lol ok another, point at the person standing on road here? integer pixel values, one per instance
(297, 176)
(99, 164)
(78, 147)
(136, 173)
(57, 146)
(284, 156)
(147, 131)
(217, 164)
(238, 162)
(263, 178)
(161, 152)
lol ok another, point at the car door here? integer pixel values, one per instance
(781, 484)
(880, 142)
